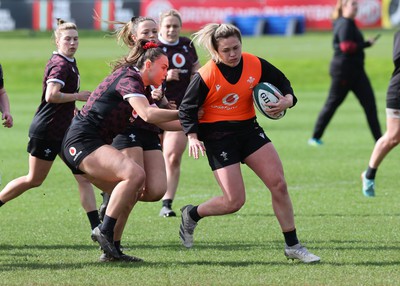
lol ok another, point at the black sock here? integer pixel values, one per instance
(167, 203)
(1, 203)
(291, 238)
(107, 227)
(93, 219)
(117, 245)
(194, 214)
(371, 173)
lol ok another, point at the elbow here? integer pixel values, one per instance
(49, 99)
(148, 117)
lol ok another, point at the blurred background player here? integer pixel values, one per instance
(4, 103)
(61, 83)
(183, 63)
(391, 138)
(347, 71)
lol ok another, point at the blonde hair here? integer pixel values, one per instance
(209, 35)
(63, 26)
(169, 13)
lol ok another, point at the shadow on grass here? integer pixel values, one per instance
(13, 266)
(300, 214)
(27, 253)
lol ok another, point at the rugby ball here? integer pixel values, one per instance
(263, 94)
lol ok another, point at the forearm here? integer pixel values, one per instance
(157, 115)
(4, 102)
(62, 97)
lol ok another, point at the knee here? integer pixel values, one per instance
(279, 189)
(394, 141)
(139, 178)
(136, 177)
(173, 159)
(35, 182)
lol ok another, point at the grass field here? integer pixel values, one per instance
(45, 235)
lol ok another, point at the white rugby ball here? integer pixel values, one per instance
(263, 94)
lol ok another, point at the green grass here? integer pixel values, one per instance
(44, 234)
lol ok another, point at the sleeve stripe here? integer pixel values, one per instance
(55, 80)
(126, 96)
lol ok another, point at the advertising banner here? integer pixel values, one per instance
(41, 14)
(197, 13)
(45, 12)
(390, 13)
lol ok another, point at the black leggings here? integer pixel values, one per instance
(340, 87)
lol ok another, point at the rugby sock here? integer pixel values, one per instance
(291, 238)
(1, 203)
(108, 226)
(167, 203)
(371, 173)
(117, 245)
(194, 214)
(93, 219)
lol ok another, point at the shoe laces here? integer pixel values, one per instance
(190, 224)
(303, 251)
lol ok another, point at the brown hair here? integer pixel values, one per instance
(139, 54)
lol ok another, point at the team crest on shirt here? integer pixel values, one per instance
(251, 82)
(230, 99)
(178, 60)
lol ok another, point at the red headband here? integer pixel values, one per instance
(150, 45)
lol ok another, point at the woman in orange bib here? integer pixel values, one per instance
(230, 135)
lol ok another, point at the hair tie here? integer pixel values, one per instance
(150, 45)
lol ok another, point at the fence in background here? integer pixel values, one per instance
(309, 14)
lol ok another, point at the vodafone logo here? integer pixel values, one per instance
(155, 8)
(178, 60)
(369, 11)
(230, 99)
(72, 151)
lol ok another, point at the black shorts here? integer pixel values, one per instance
(77, 146)
(146, 139)
(44, 149)
(393, 93)
(235, 147)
